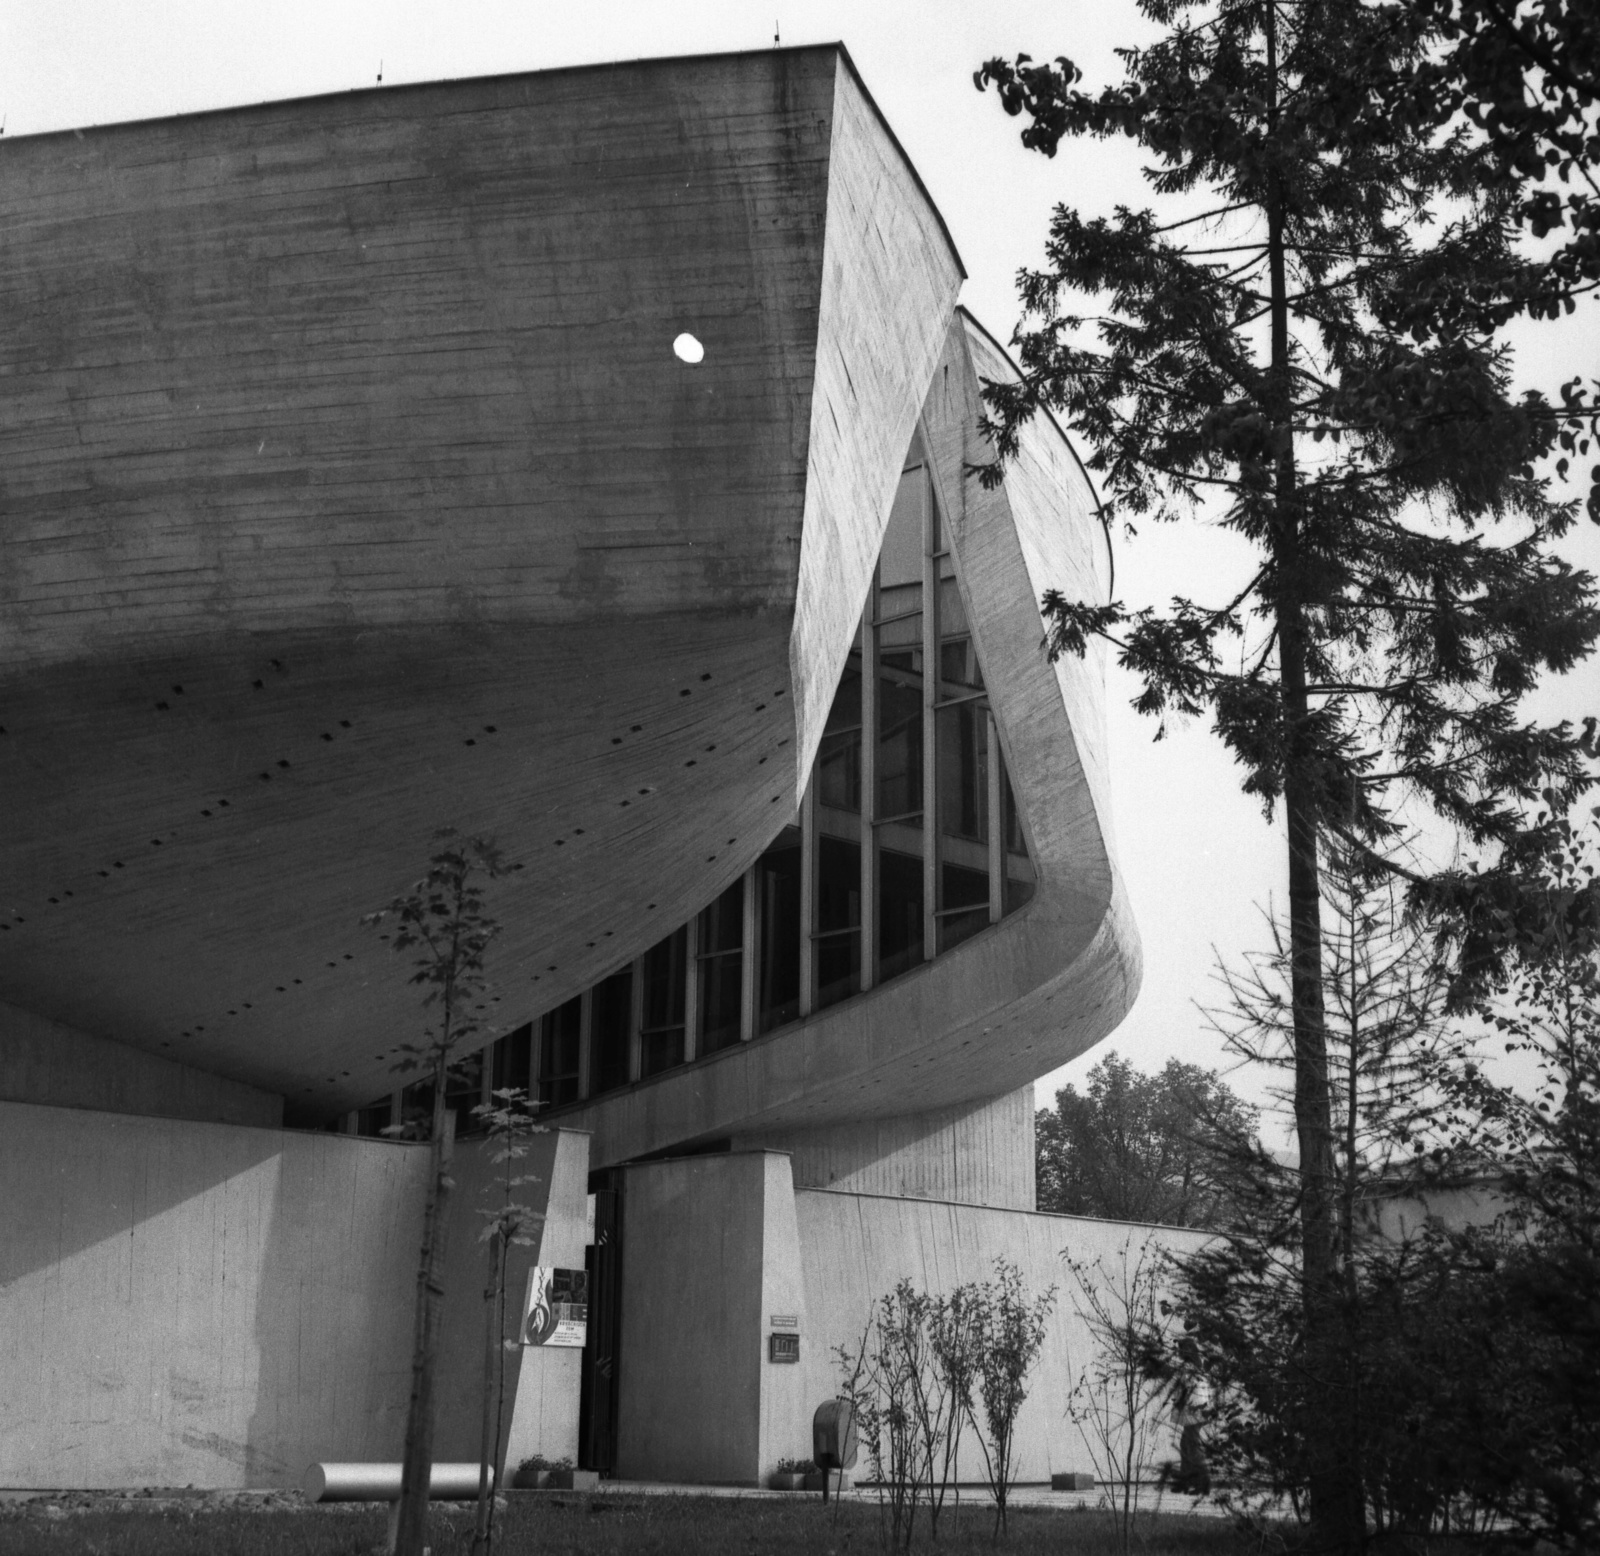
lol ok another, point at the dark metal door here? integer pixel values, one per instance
(597, 1411)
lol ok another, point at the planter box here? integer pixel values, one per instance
(838, 1480)
(787, 1480)
(575, 1480)
(556, 1480)
(1072, 1480)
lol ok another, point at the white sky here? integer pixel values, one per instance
(1197, 855)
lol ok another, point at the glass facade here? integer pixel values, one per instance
(908, 842)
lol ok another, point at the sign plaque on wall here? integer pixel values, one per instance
(783, 1347)
(556, 1312)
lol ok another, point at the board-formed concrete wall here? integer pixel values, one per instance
(855, 1247)
(187, 1303)
(981, 1154)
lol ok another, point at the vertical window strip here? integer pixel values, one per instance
(1005, 854)
(869, 786)
(930, 718)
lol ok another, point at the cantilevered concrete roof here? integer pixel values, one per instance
(351, 487)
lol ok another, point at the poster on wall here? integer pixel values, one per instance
(557, 1309)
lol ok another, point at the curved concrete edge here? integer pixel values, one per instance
(1046, 983)
(889, 283)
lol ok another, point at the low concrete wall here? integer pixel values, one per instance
(189, 1303)
(855, 1247)
(52, 1065)
(186, 1303)
(982, 1154)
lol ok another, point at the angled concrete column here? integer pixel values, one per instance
(543, 1383)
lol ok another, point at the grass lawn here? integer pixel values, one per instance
(611, 1524)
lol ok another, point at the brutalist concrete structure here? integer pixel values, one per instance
(588, 458)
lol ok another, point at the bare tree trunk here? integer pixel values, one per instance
(1338, 1516)
(417, 1465)
(493, 1354)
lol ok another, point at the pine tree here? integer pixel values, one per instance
(1278, 1395)
(1297, 348)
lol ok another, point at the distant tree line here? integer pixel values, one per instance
(1137, 1147)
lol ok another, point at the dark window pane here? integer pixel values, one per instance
(513, 1060)
(463, 1091)
(838, 885)
(899, 747)
(416, 1109)
(663, 982)
(899, 912)
(961, 888)
(610, 1016)
(1013, 832)
(722, 924)
(963, 738)
(660, 1050)
(778, 906)
(558, 1054)
(661, 1035)
(721, 980)
(958, 667)
(838, 943)
(372, 1121)
(839, 759)
(721, 969)
(839, 771)
(846, 710)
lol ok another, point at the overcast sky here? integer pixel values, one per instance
(1199, 858)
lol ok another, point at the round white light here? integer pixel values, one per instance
(687, 349)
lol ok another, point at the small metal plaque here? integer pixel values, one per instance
(784, 1320)
(783, 1347)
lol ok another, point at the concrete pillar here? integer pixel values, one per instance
(710, 1256)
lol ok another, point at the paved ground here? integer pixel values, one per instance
(970, 1496)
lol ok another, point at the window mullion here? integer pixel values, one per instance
(997, 840)
(930, 701)
(585, 1027)
(691, 988)
(808, 898)
(869, 788)
(636, 1022)
(747, 967)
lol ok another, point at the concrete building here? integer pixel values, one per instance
(586, 458)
